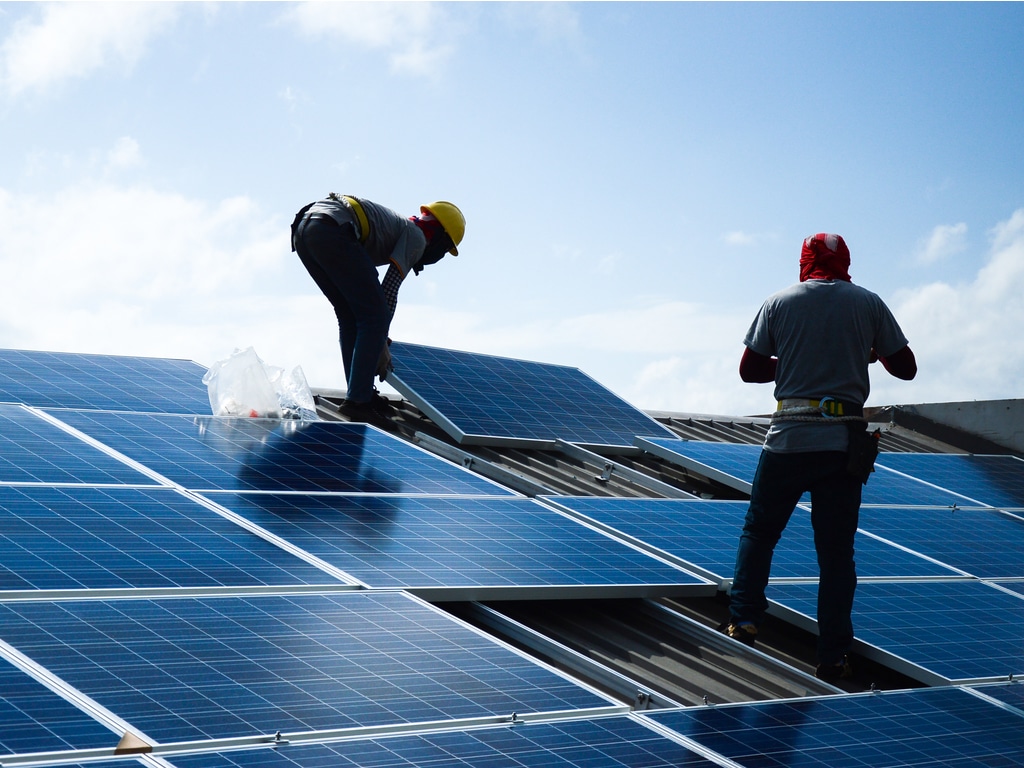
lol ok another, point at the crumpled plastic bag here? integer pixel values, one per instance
(243, 385)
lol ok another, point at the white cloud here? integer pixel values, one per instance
(124, 154)
(135, 270)
(967, 337)
(552, 23)
(401, 29)
(944, 241)
(74, 39)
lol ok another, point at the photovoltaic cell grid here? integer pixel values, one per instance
(35, 719)
(706, 534)
(182, 669)
(610, 742)
(105, 382)
(122, 538)
(495, 400)
(924, 728)
(956, 630)
(997, 481)
(416, 542)
(1011, 694)
(240, 454)
(735, 465)
(982, 542)
(32, 450)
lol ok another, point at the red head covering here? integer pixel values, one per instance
(824, 257)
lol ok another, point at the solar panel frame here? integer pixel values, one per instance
(927, 728)
(464, 547)
(937, 632)
(703, 535)
(505, 402)
(74, 538)
(218, 453)
(109, 382)
(608, 742)
(34, 450)
(194, 669)
(989, 480)
(33, 718)
(734, 464)
(970, 539)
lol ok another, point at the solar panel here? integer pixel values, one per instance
(481, 399)
(945, 631)
(35, 719)
(108, 382)
(32, 450)
(184, 669)
(240, 454)
(610, 742)
(511, 545)
(1013, 586)
(734, 466)
(997, 481)
(982, 542)
(121, 538)
(1011, 694)
(706, 534)
(924, 728)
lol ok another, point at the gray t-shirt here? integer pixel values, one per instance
(392, 239)
(822, 332)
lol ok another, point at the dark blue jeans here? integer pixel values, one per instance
(781, 479)
(347, 276)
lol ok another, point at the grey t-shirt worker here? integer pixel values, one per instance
(827, 330)
(815, 340)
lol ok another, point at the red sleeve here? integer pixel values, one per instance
(755, 368)
(902, 364)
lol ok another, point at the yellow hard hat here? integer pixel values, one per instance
(451, 219)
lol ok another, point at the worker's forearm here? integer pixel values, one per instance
(902, 364)
(756, 368)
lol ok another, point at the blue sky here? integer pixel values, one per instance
(636, 178)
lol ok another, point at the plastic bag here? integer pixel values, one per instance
(243, 385)
(293, 394)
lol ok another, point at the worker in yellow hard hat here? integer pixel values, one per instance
(342, 240)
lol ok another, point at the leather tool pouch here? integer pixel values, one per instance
(863, 450)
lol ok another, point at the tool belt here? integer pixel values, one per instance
(826, 406)
(862, 449)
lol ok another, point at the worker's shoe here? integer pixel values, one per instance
(372, 412)
(744, 632)
(833, 673)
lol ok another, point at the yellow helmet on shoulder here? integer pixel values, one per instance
(451, 219)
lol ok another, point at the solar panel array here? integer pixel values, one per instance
(176, 578)
(940, 554)
(249, 592)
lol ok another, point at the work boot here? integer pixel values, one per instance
(744, 632)
(371, 412)
(833, 673)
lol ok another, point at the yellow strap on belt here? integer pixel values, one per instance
(828, 405)
(357, 209)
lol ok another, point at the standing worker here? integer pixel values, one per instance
(341, 242)
(815, 340)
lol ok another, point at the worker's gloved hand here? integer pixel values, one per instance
(384, 366)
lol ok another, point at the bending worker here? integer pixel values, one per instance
(815, 340)
(341, 242)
